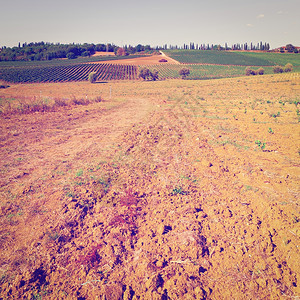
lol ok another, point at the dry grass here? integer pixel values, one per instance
(27, 105)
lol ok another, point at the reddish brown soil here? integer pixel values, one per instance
(103, 53)
(143, 60)
(161, 192)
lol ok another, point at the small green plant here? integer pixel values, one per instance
(275, 115)
(179, 190)
(79, 173)
(53, 236)
(260, 144)
(270, 130)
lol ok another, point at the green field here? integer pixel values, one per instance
(166, 71)
(233, 58)
(203, 64)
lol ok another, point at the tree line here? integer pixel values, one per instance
(239, 46)
(48, 51)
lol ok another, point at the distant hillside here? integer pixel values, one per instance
(241, 58)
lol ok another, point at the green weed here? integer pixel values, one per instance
(275, 115)
(179, 190)
(260, 144)
(79, 173)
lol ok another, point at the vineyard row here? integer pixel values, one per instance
(78, 72)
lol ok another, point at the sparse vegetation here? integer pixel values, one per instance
(31, 105)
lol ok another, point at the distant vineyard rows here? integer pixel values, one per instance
(68, 73)
(197, 71)
(233, 58)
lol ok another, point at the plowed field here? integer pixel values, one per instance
(165, 190)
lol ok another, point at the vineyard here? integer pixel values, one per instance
(233, 58)
(201, 71)
(202, 65)
(78, 72)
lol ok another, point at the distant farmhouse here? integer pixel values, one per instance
(288, 49)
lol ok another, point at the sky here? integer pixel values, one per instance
(151, 22)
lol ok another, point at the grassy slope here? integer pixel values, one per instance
(205, 71)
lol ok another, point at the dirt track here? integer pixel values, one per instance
(165, 198)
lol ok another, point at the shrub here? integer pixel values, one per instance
(144, 73)
(154, 75)
(92, 77)
(277, 69)
(184, 72)
(288, 68)
(163, 60)
(260, 71)
(249, 71)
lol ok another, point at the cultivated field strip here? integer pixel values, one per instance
(80, 72)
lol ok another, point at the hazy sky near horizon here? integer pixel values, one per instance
(153, 22)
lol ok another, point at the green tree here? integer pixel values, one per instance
(144, 73)
(290, 48)
(92, 77)
(184, 72)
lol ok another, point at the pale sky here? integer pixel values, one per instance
(153, 22)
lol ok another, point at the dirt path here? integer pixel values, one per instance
(169, 58)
